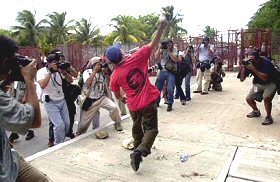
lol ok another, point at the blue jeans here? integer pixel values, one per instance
(58, 114)
(166, 76)
(188, 84)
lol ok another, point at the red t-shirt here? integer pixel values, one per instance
(132, 76)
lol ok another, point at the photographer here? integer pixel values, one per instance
(203, 66)
(263, 87)
(97, 98)
(167, 56)
(71, 92)
(217, 74)
(50, 80)
(15, 116)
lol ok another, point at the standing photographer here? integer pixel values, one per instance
(263, 87)
(15, 116)
(167, 56)
(50, 80)
(203, 66)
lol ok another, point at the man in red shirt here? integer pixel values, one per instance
(131, 74)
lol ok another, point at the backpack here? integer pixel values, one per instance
(276, 77)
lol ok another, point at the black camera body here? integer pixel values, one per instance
(104, 65)
(246, 62)
(63, 65)
(16, 63)
(164, 44)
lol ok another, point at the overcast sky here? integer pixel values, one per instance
(218, 14)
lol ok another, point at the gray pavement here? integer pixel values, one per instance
(222, 144)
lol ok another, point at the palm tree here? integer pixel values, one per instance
(28, 32)
(87, 35)
(126, 31)
(59, 28)
(173, 29)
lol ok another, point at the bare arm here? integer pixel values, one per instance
(44, 82)
(73, 72)
(261, 75)
(157, 54)
(29, 73)
(173, 57)
(68, 77)
(120, 97)
(160, 28)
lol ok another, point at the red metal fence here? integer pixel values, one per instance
(230, 51)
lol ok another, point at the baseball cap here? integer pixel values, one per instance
(114, 54)
(51, 58)
(93, 61)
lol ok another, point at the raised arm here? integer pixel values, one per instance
(160, 28)
(29, 73)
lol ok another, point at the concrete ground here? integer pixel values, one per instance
(222, 145)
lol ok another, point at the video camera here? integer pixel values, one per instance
(16, 63)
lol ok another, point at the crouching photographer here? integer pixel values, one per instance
(217, 74)
(50, 79)
(263, 86)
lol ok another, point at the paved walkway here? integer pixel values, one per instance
(222, 144)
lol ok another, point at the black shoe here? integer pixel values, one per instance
(176, 97)
(29, 135)
(13, 137)
(267, 121)
(71, 135)
(135, 160)
(188, 99)
(169, 108)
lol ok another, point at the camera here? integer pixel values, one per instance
(16, 63)
(164, 44)
(104, 65)
(58, 56)
(246, 62)
(154, 67)
(63, 65)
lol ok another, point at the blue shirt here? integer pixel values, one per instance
(265, 67)
(15, 117)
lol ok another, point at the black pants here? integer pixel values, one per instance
(179, 77)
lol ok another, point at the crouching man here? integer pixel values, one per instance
(263, 87)
(97, 98)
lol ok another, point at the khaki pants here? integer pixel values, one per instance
(206, 75)
(87, 116)
(28, 173)
(145, 128)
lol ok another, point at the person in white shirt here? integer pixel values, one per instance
(203, 66)
(50, 80)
